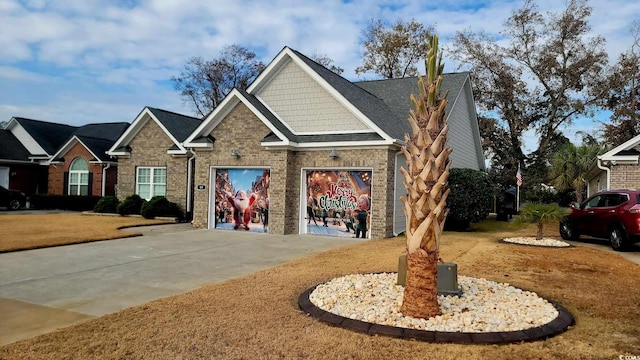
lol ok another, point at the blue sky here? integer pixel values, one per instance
(79, 62)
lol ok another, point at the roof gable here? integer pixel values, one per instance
(11, 149)
(50, 136)
(96, 138)
(627, 151)
(176, 126)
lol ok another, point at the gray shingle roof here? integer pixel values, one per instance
(396, 93)
(385, 102)
(11, 148)
(180, 126)
(49, 135)
(105, 131)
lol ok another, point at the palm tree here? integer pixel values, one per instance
(541, 214)
(569, 166)
(427, 189)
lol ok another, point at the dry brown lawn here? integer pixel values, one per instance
(32, 231)
(257, 316)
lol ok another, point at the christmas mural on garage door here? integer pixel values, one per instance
(242, 199)
(338, 203)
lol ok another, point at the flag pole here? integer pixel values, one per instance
(518, 200)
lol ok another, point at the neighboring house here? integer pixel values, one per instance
(152, 159)
(618, 168)
(306, 145)
(26, 146)
(81, 166)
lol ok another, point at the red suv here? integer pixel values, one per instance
(612, 214)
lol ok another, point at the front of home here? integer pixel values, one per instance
(303, 150)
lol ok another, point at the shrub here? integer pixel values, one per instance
(63, 202)
(160, 206)
(131, 205)
(107, 204)
(470, 199)
(541, 214)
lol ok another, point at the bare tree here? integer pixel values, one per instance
(624, 94)
(327, 62)
(547, 73)
(393, 52)
(205, 83)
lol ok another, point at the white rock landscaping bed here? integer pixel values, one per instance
(484, 306)
(534, 242)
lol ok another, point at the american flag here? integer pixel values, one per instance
(519, 177)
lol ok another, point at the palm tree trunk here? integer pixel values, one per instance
(421, 289)
(539, 234)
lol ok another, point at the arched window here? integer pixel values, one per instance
(79, 177)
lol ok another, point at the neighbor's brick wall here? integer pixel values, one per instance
(149, 148)
(241, 130)
(56, 172)
(625, 177)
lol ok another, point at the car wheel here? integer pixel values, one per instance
(618, 238)
(567, 231)
(14, 204)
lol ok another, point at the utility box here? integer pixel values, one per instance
(447, 277)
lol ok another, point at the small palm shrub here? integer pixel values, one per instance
(107, 204)
(131, 205)
(160, 206)
(541, 214)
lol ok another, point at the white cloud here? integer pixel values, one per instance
(64, 59)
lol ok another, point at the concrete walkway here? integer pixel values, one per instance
(45, 289)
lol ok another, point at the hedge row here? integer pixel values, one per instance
(63, 202)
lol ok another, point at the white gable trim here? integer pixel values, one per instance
(221, 112)
(25, 138)
(611, 155)
(288, 55)
(133, 130)
(69, 145)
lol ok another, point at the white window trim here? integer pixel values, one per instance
(79, 183)
(152, 185)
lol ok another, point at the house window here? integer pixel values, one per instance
(151, 181)
(79, 177)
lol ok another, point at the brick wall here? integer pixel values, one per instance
(56, 172)
(149, 148)
(625, 177)
(242, 131)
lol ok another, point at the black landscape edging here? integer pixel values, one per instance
(557, 326)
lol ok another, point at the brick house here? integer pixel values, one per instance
(304, 148)
(152, 159)
(618, 168)
(81, 166)
(26, 146)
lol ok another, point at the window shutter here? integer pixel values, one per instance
(65, 184)
(90, 190)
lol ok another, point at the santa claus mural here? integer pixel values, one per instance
(241, 205)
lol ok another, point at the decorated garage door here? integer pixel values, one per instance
(338, 203)
(242, 199)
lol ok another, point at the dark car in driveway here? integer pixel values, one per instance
(12, 199)
(611, 214)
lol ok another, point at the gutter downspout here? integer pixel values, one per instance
(608, 170)
(190, 165)
(104, 178)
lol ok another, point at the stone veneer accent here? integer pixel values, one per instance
(56, 173)
(243, 131)
(149, 148)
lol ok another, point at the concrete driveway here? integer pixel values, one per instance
(45, 289)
